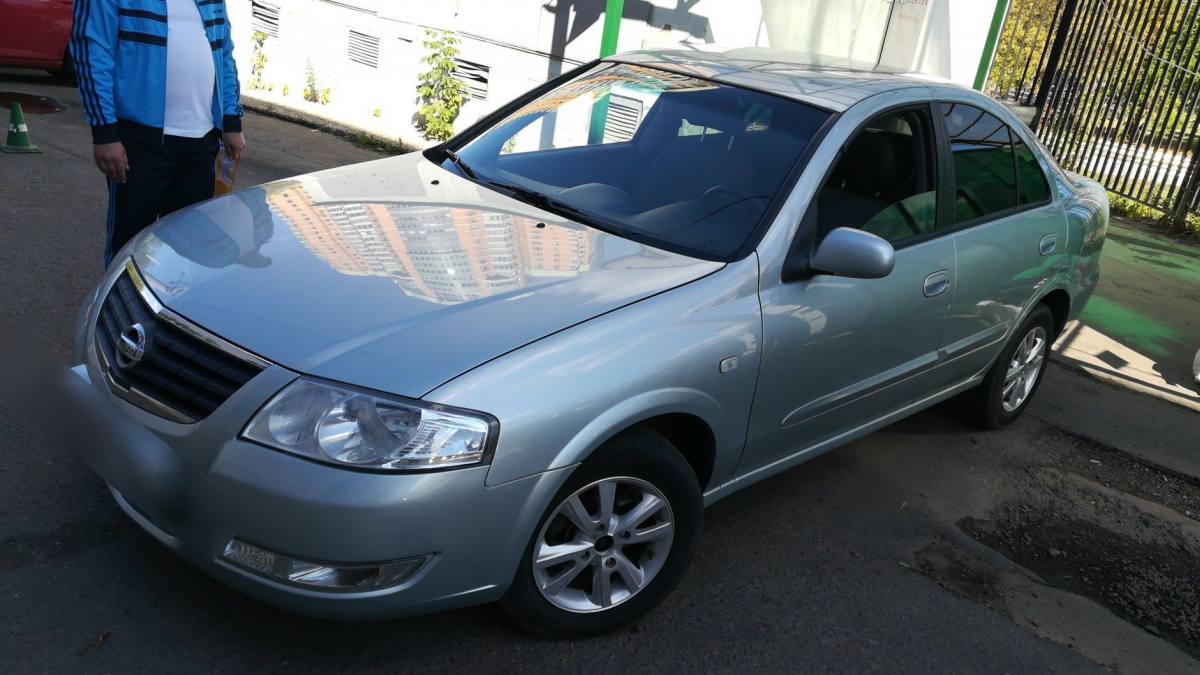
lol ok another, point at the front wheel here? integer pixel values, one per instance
(1014, 378)
(613, 543)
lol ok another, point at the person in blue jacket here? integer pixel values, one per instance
(160, 90)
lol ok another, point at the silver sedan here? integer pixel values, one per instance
(517, 366)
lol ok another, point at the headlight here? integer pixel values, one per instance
(345, 426)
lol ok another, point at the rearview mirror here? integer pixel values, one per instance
(846, 252)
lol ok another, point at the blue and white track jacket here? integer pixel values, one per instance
(120, 52)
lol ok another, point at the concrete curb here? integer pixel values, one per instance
(322, 123)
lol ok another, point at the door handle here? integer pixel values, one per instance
(1048, 244)
(937, 283)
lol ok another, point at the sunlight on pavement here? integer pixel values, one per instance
(1141, 330)
(1096, 353)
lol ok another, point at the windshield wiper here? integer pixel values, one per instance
(459, 162)
(552, 205)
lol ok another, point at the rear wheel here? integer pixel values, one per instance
(613, 543)
(1014, 378)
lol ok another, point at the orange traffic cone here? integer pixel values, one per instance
(18, 133)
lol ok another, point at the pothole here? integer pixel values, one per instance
(1154, 585)
(1119, 471)
(1090, 531)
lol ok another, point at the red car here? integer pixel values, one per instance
(35, 33)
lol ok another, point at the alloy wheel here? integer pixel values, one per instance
(1023, 369)
(603, 544)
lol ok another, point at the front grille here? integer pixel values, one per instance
(181, 374)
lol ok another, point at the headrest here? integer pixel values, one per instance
(869, 163)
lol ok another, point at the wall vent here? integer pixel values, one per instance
(475, 76)
(363, 48)
(264, 18)
(624, 117)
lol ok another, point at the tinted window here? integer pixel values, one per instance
(885, 180)
(984, 172)
(1031, 181)
(683, 163)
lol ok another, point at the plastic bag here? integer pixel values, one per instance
(226, 169)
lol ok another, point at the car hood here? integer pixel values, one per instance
(396, 275)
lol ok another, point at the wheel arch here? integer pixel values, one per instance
(1057, 300)
(683, 416)
(1059, 303)
(692, 437)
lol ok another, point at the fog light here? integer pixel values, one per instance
(320, 575)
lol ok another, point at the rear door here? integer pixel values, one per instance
(1009, 234)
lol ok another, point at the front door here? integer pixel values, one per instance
(839, 353)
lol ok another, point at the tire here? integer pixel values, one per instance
(66, 72)
(637, 463)
(993, 404)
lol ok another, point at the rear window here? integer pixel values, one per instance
(678, 162)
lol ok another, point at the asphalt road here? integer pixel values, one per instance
(860, 561)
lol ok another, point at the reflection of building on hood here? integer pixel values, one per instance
(228, 231)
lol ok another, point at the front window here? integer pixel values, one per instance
(681, 163)
(885, 181)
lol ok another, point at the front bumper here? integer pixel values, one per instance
(195, 487)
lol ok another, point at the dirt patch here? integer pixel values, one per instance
(1153, 585)
(956, 571)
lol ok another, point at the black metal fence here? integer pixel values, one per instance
(1116, 87)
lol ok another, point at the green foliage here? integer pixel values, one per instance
(313, 91)
(442, 94)
(1127, 208)
(368, 142)
(286, 90)
(1112, 105)
(258, 60)
(1126, 82)
(1021, 45)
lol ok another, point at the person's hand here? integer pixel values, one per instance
(235, 144)
(112, 160)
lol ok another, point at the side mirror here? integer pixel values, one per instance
(846, 252)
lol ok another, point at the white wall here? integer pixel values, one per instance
(956, 31)
(524, 42)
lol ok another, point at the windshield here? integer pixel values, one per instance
(681, 163)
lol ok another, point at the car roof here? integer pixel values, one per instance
(832, 83)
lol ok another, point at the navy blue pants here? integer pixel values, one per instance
(164, 176)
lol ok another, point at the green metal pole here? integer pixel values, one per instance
(612, 27)
(608, 47)
(989, 45)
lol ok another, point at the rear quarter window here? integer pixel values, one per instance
(1032, 187)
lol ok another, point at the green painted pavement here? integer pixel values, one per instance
(1148, 298)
